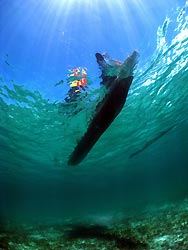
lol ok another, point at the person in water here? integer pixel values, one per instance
(78, 84)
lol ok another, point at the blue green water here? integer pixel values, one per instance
(37, 135)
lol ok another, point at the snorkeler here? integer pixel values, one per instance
(78, 84)
(74, 93)
(117, 78)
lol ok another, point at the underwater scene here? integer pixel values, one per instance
(94, 125)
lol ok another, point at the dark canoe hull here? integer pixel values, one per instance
(106, 112)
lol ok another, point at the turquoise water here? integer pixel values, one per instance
(139, 162)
